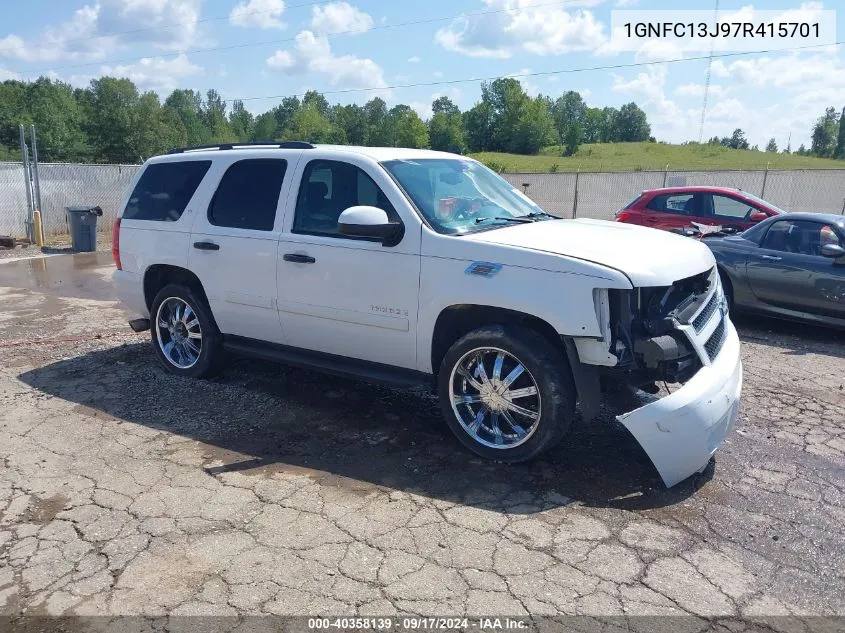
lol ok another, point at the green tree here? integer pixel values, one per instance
(569, 110)
(265, 128)
(825, 133)
(316, 99)
(839, 152)
(593, 125)
(737, 140)
(535, 128)
(573, 139)
(13, 112)
(156, 129)
(188, 105)
(58, 119)
(352, 121)
(802, 151)
(113, 119)
(632, 124)
(610, 126)
(241, 121)
(309, 124)
(379, 133)
(214, 115)
(444, 105)
(408, 130)
(284, 113)
(508, 101)
(478, 126)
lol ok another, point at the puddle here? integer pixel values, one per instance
(83, 275)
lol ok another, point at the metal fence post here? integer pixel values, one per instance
(28, 184)
(38, 212)
(765, 178)
(665, 175)
(575, 197)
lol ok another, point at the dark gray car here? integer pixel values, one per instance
(790, 266)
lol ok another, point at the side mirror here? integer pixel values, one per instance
(757, 216)
(370, 223)
(833, 251)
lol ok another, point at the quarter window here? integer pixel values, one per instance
(248, 194)
(164, 190)
(329, 188)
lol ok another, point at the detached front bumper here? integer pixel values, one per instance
(681, 431)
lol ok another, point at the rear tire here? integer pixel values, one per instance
(184, 334)
(506, 393)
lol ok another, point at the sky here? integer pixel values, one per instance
(263, 50)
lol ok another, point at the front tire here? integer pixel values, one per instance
(506, 393)
(184, 335)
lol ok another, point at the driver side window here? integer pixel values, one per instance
(330, 187)
(803, 237)
(727, 208)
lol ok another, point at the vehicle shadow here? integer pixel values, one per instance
(793, 337)
(261, 418)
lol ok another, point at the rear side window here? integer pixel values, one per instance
(164, 190)
(678, 203)
(248, 194)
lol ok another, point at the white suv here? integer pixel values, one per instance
(406, 266)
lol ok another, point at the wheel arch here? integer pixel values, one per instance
(158, 276)
(456, 320)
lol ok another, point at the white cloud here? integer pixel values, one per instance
(75, 39)
(624, 4)
(438, 74)
(340, 17)
(517, 26)
(697, 90)
(8, 74)
(156, 73)
(145, 19)
(262, 14)
(81, 38)
(414, 60)
(312, 54)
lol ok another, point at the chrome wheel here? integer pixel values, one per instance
(495, 398)
(178, 332)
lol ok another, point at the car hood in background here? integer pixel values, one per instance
(648, 257)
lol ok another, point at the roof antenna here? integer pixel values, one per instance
(707, 79)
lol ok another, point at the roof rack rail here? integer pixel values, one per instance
(228, 146)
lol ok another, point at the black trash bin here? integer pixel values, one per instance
(82, 221)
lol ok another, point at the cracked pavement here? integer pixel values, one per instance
(271, 490)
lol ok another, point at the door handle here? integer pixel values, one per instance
(207, 246)
(771, 258)
(298, 258)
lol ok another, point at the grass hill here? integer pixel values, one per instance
(651, 156)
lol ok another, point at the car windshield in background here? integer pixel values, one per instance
(765, 202)
(459, 196)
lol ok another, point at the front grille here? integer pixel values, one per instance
(704, 316)
(716, 340)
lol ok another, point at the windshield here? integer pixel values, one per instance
(760, 200)
(458, 195)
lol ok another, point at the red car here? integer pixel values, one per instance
(673, 208)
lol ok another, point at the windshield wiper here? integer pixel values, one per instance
(541, 214)
(522, 220)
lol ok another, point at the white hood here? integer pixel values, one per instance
(649, 257)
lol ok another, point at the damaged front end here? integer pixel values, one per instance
(678, 334)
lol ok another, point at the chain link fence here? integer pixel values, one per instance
(585, 194)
